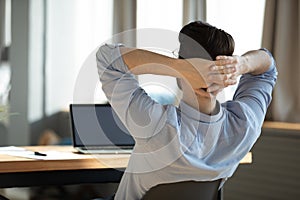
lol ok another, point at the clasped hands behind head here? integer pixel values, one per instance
(216, 75)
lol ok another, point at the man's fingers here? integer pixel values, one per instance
(221, 60)
(218, 78)
(230, 82)
(224, 69)
(222, 79)
(222, 57)
(202, 93)
(229, 70)
(214, 87)
(224, 62)
(207, 94)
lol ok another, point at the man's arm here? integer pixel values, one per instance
(246, 112)
(141, 115)
(254, 62)
(257, 62)
(254, 92)
(196, 71)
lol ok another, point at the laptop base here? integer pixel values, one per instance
(103, 151)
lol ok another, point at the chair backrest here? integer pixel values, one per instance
(191, 190)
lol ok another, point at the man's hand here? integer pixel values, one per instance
(214, 76)
(227, 63)
(210, 74)
(227, 68)
(254, 62)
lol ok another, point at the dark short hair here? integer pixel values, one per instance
(202, 40)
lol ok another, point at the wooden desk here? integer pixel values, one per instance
(75, 162)
(78, 169)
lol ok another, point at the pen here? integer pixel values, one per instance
(39, 153)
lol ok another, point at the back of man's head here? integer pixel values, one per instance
(201, 40)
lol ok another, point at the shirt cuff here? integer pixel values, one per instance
(272, 67)
(117, 59)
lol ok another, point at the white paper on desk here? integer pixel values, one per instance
(55, 155)
(11, 148)
(21, 152)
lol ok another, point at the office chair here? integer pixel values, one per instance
(190, 190)
(3, 198)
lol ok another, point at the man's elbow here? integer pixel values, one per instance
(103, 56)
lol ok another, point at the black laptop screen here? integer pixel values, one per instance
(97, 125)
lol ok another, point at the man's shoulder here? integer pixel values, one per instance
(236, 109)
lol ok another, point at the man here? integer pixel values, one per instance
(200, 140)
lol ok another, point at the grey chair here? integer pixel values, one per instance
(3, 198)
(190, 190)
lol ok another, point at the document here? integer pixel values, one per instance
(39, 155)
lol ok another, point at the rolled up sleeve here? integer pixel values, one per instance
(255, 92)
(245, 114)
(142, 116)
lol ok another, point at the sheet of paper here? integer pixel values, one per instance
(50, 155)
(11, 148)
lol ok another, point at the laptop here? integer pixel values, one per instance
(97, 129)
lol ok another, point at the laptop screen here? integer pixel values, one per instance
(97, 125)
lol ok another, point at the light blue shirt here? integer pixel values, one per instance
(179, 144)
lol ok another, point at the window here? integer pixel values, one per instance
(7, 36)
(243, 19)
(166, 14)
(74, 29)
(163, 20)
(35, 66)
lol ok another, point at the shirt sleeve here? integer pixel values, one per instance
(245, 114)
(254, 93)
(141, 115)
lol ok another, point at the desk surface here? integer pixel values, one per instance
(75, 162)
(78, 169)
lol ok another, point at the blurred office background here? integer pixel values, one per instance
(44, 44)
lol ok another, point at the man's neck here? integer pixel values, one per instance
(207, 105)
(203, 104)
